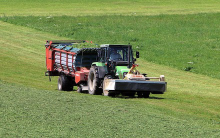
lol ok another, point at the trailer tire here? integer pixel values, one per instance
(94, 81)
(65, 83)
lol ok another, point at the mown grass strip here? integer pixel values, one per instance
(29, 112)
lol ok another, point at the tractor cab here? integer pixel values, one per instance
(115, 60)
(119, 55)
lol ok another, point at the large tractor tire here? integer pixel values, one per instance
(65, 83)
(94, 81)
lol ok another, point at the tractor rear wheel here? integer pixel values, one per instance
(93, 81)
(65, 83)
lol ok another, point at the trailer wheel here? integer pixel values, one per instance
(93, 81)
(65, 83)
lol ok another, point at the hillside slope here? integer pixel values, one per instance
(185, 42)
(190, 107)
(22, 55)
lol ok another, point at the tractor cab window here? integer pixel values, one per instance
(119, 53)
(115, 54)
(103, 55)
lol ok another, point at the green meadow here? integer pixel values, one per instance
(179, 39)
(185, 42)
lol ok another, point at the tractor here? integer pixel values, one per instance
(109, 70)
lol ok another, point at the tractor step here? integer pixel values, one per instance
(85, 88)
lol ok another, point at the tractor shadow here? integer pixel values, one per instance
(122, 96)
(153, 97)
(136, 97)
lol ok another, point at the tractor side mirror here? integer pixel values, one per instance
(137, 54)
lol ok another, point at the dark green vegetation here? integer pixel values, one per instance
(186, 42)
(30, 105)
(29, 112)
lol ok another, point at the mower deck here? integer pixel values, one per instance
(133, 85)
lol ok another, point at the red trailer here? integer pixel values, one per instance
(71, 64)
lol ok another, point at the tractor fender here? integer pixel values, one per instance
(101, 71)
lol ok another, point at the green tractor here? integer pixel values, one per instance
(115, 73)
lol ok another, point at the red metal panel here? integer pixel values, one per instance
(79, 76)
(49, 59)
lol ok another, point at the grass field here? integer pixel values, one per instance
(30, 105)
(192, 40)
(29, 112)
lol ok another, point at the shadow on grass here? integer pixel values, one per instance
(156, 98)
(136, 97)
(119, 96)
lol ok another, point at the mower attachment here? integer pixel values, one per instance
(133, 85)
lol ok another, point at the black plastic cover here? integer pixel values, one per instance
(148, 86)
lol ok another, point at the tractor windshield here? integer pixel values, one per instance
(120, 54)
